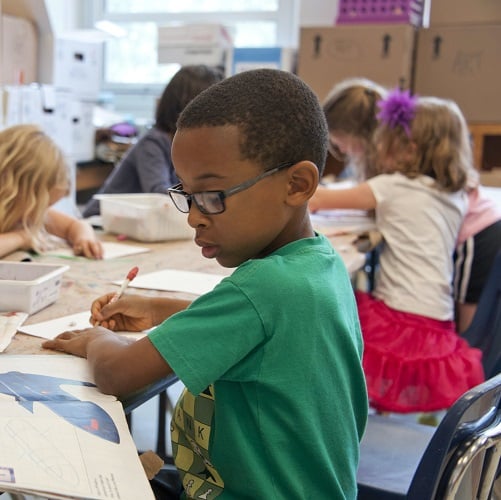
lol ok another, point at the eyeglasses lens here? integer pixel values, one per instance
(182, 203)
(209, 202)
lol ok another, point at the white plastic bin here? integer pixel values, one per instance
(28, 286)
(144, 217)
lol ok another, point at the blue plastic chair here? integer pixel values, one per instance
(485, 329)
(460, 459)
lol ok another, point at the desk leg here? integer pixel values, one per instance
(163, 403)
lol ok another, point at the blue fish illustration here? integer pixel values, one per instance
(29, 388)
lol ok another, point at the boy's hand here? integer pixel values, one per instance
(75, 341)
(129, 314)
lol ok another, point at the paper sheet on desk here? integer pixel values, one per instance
(9, 325)
(176, 281)
(342, 221)
(111, 250)
(49, 329)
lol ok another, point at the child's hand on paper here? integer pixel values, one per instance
(75, 341)
(131, 313)
(88, 247)
(92, 249)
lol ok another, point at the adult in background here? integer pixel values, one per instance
(147, 166)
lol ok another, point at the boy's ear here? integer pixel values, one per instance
(303, 180)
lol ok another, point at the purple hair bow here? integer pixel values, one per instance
(398, 109)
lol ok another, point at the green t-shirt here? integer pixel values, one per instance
(277, 400)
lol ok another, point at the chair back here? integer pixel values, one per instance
(485, 329)
(462, 458)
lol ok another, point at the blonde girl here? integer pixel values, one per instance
(350, 109)
(414, 360)
(35, 176)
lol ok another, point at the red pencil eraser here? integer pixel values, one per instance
(133, 273)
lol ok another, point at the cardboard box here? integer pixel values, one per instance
(72, 62)
(19, 51)
(492, 178)
(83, 131)
(464, 12)
(193, 44)
(383, 53)
(462, 63)
(29, 287)
(144, 217)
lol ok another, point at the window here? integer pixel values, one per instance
(130, 62)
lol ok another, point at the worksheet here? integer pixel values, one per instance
(78, 321)
(111, 249)
(177, 281)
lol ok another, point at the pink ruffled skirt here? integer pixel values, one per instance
(413, 363)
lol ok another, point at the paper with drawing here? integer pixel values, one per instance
(60, 436)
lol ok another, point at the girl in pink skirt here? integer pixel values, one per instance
(414, 360)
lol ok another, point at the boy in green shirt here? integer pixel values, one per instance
(275, 401)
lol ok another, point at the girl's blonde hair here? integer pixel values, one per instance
(351, 108)
(30, 166)
(439, 141)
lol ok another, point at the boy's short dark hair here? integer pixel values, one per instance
(279, 116)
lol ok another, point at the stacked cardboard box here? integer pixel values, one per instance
(459, 56)
(381, 52)
(374, 39)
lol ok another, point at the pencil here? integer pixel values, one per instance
(130, 276)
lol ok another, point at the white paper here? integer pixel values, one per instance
(9, 324)
(61, 437)
(49, 329)
(177, 281)
(111, 250)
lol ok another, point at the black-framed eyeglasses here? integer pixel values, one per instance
(212, 202)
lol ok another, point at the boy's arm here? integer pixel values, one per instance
(119, 365)
(78, 233)
(359, 197)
